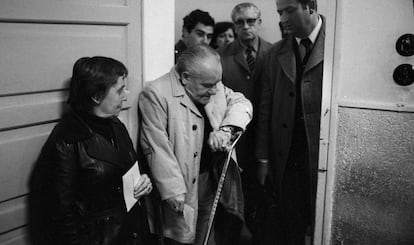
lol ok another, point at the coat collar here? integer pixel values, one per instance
(286, 56)
(179, 91)
(76, 130)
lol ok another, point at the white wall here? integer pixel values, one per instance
(220, 10)
(158, 38)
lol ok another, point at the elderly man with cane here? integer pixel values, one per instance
(188, 118)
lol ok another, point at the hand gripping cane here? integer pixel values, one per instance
(220, 187)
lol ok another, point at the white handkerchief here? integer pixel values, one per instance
(129, 180)
(189, 217)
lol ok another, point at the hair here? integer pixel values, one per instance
(195, 17)
(241, 7)
(93, 77)
(219, 28)
(311, 3)
(191, 59)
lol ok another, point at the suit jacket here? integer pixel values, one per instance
(172, 137)
(237, 76)
(277, 105)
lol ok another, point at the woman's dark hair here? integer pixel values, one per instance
(92, 77)
(219, 28)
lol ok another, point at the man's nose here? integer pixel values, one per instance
(205, 40)
(213, 91)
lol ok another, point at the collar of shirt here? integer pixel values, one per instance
(314, 34)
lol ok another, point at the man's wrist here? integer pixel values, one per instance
(227, 129)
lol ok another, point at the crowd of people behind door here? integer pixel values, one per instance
(227, 81)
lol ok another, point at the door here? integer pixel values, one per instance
(366, 167)
(39, 43)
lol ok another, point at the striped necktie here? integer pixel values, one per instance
(251, 61)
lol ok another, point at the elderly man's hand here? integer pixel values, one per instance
(219, 140)
(177, 203)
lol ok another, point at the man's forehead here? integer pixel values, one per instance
(249, 12)
(203, 28)
(282, 4)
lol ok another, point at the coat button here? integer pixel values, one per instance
(248, 77)
(119, 189)
(135, 235)
(194, 127)
(195, 154)
(107, 218)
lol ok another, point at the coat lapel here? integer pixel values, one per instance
(316, 56)
(287, 60)
(101, 149)
(239, 57)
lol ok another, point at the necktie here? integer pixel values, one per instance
(250, 59)
(305, 49)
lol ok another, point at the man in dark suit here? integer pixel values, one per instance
(241, 61)
(198, 27)
(289, 119)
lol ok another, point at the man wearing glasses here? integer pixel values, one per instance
(241, 61)
(288, 120)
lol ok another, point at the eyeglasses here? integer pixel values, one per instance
(250, 22)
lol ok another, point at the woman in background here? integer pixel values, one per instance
(77, 181)
(224, 34)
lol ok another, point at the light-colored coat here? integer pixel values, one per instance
(172, 137)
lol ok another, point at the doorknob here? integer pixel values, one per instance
(404, 74)
(405, 45)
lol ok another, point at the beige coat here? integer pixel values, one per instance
(172, 137)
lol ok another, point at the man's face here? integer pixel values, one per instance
(247, 23)
(201, 34)
(295, 17)
(201, 85)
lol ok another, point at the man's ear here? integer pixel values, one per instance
(184, 77)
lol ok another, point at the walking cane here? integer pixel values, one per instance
(220, 187)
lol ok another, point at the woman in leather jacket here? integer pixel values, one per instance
(76, 188)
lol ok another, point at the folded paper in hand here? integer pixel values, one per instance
(129, 180)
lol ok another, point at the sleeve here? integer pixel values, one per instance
(62, 184)
(239, 110)
(156, 145)
(263, 114)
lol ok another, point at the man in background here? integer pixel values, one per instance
(241, 61)
(289, 120)
(198, 27)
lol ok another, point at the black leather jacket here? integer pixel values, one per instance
(76, 188)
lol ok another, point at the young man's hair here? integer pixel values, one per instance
(195, 17)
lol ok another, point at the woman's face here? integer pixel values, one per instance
(225, 38)
(111, 104)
